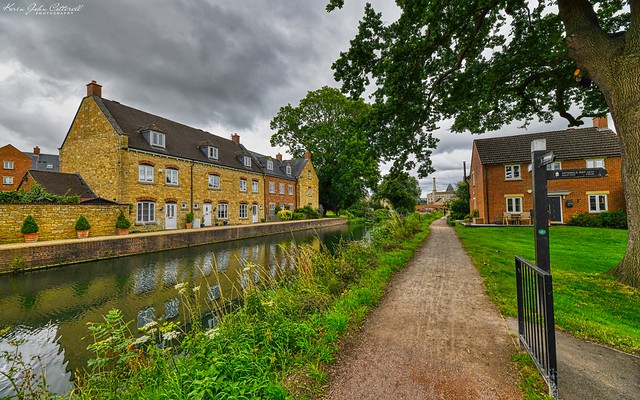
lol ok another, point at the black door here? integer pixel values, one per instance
(555, 208)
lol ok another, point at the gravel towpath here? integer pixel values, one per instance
(435, 335)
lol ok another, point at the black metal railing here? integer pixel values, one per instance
(536, 328)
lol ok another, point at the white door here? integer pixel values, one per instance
(170, 220)
(254, 213)
(206, 214)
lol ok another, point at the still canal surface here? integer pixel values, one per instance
(44, 314)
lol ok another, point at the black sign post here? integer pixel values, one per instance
(539, 160)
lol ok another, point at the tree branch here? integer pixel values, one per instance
(562, 109)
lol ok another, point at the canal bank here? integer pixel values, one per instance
(26, 256)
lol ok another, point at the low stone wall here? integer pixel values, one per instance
(58, 221)
(24, 256)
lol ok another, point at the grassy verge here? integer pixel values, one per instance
(588, 303)
(274, 347)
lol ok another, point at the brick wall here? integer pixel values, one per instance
(21, 164)
(277, 198)
(57, 221)
(38, 255)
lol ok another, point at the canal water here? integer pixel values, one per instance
(44, 314)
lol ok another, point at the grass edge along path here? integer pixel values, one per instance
(276, 346)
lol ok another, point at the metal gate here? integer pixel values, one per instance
(536, 327)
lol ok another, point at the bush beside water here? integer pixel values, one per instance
(274, 347)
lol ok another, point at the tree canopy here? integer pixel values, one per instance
(486, 63)
(333, 129)
(401, 189)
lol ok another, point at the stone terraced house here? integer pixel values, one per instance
(165, 169)
(500, 182)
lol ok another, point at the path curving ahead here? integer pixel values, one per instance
(436, 335)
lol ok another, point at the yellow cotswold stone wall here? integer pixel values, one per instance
(56, 221)
(92, 148)
(308, 179)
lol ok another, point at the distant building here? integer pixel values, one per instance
(44, 162)
(441, 198)
(61, 184)
(14, 165)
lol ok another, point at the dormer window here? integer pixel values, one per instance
(157, 139)
(212, 152)
(269, 165)
(288, 169)
(247, 161)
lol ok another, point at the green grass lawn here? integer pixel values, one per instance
(589, 303)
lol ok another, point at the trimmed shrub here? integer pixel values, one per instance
(82, 224)
(606, 219)
(285, 215)
(29, 225)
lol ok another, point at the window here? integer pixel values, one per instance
(7, 180)
(290, 190)
(244, 210)
(243, 185)
(8, 164)
(247, 161)
(597, 203)
(212, 152)
(288, 169)
(146, 212)
(254, 186)
(554, 166)
(272, 208)
(223, 211)
(281, 186)
(183, 205)
(595, 163)
(172, 176)
(145, 173)
(157, 139)
(272, 187)
(512, 172)
(269, 165)
(308, 174)
(473, 179)
(514, 205)
(309, 192)
(214, 182)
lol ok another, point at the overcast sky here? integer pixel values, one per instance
(224, 66)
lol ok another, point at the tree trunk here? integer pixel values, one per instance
(613, 63)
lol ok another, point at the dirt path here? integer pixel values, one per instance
(436, 335)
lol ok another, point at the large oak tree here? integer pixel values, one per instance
(486, 63)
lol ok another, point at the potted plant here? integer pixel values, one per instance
(122, 224)
(189, 220)
(82, 227)
(30, 229)
(474, 215)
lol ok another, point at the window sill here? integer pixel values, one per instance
(512, 179)
(146, 183)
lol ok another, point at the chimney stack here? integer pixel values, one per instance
(279, 157)
(434, 185)
(600, 122)
(307, 155)
(36, 151)
(236, 138)
(93, 89)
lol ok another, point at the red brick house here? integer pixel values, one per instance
(500, 181)
(14, 165)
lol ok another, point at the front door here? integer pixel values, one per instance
(206, 214)
(555, 208)
(254, 213)
(170, 220)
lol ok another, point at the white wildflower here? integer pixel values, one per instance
(245, 269)
(211, 333)
(196, 289)
(149, 325)
(181, 286)
(170, 335)
(142, 339)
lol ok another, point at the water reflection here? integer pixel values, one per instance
(47, 311)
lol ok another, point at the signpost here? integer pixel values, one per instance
(577, 173)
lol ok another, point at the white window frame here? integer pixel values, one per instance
(157, 139)
(7, 180)
(290, 190)
(247, 161)
(145, 212)
(595, 163)
(281, 188)
(473, 178)
(308, 174)
(309, 192)
(269, 165)
(244, 211)
(171, 176)
(223, 211)
(554, 166)
(212, 152)
(213, 181)
(512, 172)
(7, 164)
(243, 185)
(288, 169)
(145, 173)
(254, 186)
(272, 187)
(597, 208)
(514, 205)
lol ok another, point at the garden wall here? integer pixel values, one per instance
(15, 257)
